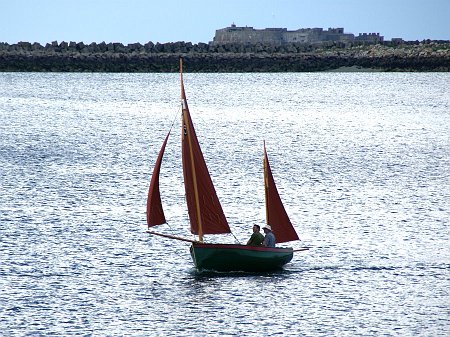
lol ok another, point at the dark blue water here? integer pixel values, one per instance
(361, 160)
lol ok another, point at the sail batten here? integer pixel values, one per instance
(276, 215)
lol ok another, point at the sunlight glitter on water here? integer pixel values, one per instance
(362, 165)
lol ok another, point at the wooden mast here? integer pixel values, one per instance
(266, 184)
(191, 154)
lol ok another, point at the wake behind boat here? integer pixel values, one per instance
(207, 217)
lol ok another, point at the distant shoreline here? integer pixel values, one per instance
(355, 69)
(414, 56)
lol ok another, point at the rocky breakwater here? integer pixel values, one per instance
(116, 57)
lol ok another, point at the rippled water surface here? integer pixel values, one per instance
(362, 162)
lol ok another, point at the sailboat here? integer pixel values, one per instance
(206, 214)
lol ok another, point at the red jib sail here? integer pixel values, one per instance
(205, 212)
(276, 215)
(155, 213)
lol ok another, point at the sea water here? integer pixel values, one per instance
(361, 160)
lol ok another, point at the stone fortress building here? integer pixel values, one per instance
(278, 36)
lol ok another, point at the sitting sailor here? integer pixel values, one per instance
(257, 238)
(269, 239)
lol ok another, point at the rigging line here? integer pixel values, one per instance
(170, 227)
(174, 119)
(237, 240)
(173, 231)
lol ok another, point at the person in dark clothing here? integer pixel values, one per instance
(257, 238)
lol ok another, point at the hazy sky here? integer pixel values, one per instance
(129, 21)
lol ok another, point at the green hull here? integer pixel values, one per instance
(229, 257)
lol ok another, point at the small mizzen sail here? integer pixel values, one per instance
(205, 212)
(276, 215)
(155, 213)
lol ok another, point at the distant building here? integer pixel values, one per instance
(369, 37)
(397, 40)
(278, 36)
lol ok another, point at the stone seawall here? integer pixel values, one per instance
(115, 57)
